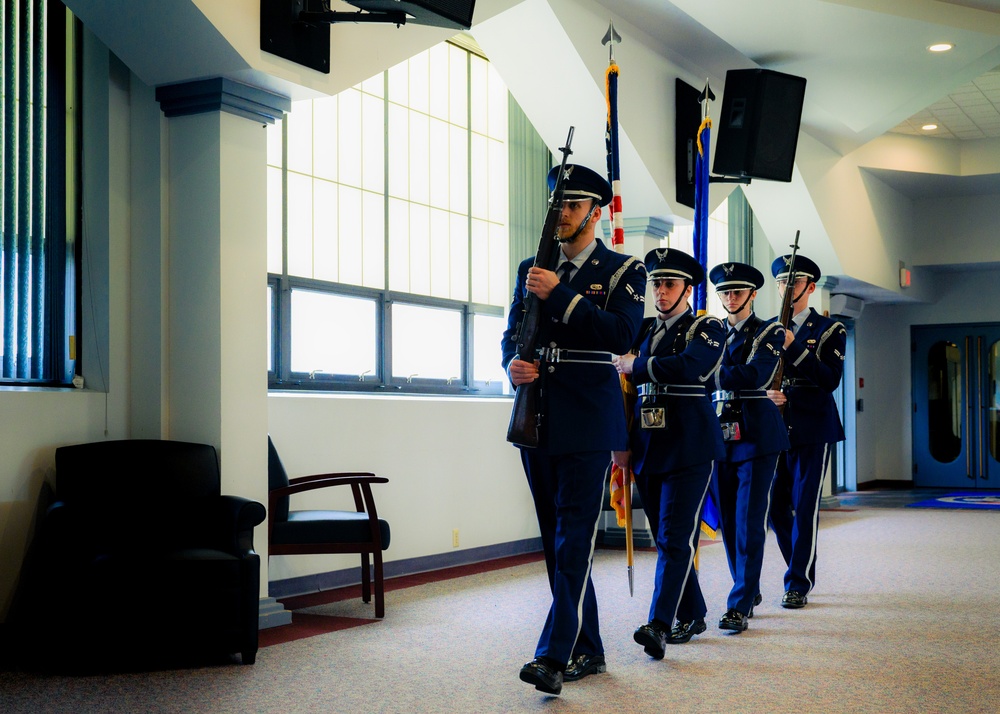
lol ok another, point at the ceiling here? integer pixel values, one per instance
(870, 76)
(868, 68)
(872, 84)
(971, 111)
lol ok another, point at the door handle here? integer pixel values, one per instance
(984, 441)
(968, 413)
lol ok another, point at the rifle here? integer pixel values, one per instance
(785, 318)
(525, 417)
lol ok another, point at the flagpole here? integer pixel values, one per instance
(611, 38)
(701, 189)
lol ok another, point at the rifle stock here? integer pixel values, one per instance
(526, 416)
(785, 317)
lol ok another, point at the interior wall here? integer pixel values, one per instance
(884, 429)
(447, 460)
(37, 421)
(882, 359)
(954, 230)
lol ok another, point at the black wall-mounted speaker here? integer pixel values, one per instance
(687, 119)
(456, 14)
(283, 31)
(759, 126)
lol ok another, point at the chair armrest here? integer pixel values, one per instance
(62, 533)
(359, 475)
(310, 483)
(235, 518)
(360, 484)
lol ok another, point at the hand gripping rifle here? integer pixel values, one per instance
(526, 417)
(785, 318)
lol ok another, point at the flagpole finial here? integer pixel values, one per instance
(706, 96)
(611, 38)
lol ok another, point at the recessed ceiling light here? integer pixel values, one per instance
(941, 47)
(929, 127)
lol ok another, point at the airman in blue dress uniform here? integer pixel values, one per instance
(674, 441)
(592, 308)
(753, 431)
(814, 366)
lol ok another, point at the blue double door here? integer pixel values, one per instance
(956, 406)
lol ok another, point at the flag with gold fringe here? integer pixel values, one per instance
(701, 181)
(629, 395)
(614, 167)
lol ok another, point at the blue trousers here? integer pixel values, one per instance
(673, 502)
(742, 492)
(798, 485)
(567, 490)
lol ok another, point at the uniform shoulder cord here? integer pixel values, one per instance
(755, 325)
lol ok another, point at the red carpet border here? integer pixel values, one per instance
(309, 625)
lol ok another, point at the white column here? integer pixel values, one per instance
(217, 353)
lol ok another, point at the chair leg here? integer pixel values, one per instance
(379, 586)
(366, 576)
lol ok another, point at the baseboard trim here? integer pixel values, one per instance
(827, 503)
(319, 582)
(885, 485)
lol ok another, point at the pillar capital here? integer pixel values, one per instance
(222, 95)
(644, 233)
(648, 227)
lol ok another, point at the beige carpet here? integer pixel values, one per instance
(902, 620)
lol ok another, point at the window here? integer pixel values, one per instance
(388, 265)
(37, 266)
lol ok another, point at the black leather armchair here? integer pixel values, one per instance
(299, 532)
(140, 561)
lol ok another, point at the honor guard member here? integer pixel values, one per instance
(592, 308)
(753, 431)
(674, 441)
(814, 365)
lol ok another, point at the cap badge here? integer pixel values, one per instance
(728, 269)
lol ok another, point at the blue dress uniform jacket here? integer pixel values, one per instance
(597, 313)
(673, 465)
(814, 366)
(585, 314)
(765, 430)
(741, 481)
(692, 433)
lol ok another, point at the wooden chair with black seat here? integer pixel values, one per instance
(324, 531)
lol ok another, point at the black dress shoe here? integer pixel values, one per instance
(653, 637)
(733, 620)
(543, 675)
(684, 631)
(756, 601)
(793, 600)
(584, 665)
